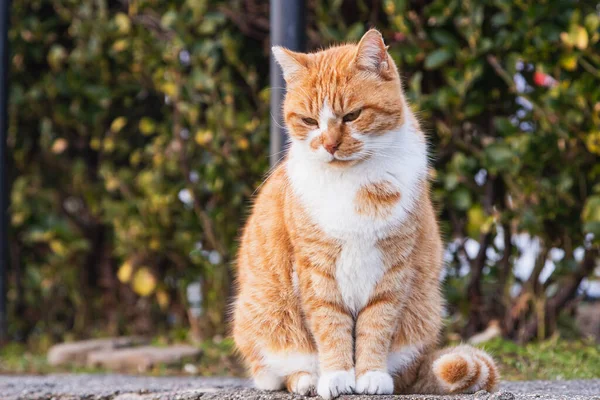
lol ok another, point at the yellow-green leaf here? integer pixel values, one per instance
(591, 210)
(56, 56)
(118, 124)
(170, 89)
(581, 38)
(476, 219)
(162, 297)
(120, 45)
(592, 22)
(592, 142)
(144, 282)
(147, 126)
(125, 271)
(568, 62)
(203, 137)
(123, 22)
(58, 247)
(566, 39)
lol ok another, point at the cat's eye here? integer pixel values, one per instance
(351, 116)
(310, 121)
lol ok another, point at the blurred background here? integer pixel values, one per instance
(138, 132)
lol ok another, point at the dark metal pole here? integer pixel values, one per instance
(4, 13)
(287, 30)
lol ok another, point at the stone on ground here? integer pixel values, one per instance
(77, 352)
(143, 358)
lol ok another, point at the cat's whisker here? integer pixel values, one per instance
(276, 122)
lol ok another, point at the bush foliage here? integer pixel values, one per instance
(139, 132)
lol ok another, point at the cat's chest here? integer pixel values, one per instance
(352, 209)
(357, 214)
(359, 267)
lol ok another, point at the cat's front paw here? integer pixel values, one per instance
(303, 383)
(375, 382)
(334, 383)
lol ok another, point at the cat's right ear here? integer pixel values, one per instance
(291, 63)
(372, 54)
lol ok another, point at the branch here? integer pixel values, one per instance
(253, 25)
(566, 293)
(533, 281)
(505, 261)
(589, 67)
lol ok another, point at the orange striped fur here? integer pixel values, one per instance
(338, 272)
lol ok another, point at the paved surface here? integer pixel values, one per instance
(123, 387)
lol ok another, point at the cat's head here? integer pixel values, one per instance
(343, 103)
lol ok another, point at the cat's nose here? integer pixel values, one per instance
(331, 147)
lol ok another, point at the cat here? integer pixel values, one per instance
(338, 271)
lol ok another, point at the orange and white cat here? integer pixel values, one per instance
(339, 265)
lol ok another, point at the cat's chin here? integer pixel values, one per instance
(336, 162)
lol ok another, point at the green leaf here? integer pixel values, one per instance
(591, 210)
(592, 22)
(504, 125)
(437, 58)
(461, 199)
(499, 156)
(444, 38)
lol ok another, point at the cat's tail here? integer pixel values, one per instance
(460, 369)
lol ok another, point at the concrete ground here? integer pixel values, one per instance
(123, 387)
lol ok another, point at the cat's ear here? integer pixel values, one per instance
(372, 53)
(291, 63)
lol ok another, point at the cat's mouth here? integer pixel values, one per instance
(346, 161)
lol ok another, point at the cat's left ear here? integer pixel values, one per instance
(291, 62)
(372, 53)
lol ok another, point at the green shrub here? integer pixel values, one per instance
(138, 134)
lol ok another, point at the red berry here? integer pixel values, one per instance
(539, 78)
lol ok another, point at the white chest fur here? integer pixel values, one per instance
(358, 269)
(328, 195)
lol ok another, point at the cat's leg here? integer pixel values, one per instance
(278, 348)
(331, 325)
(376, 326)
(270, 333)
(272, 337)
(269, 326)
(418, 325)
(265, 379)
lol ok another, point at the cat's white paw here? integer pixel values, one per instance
(265, 380)
(305, 385)
(334, 383)
(375, 382)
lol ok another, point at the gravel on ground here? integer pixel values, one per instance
(124, 387)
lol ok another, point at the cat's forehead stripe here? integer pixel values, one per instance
(325, 115)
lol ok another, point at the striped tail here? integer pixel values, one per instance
(460, 369)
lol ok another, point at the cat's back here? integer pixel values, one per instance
(264, 238)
